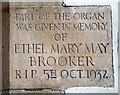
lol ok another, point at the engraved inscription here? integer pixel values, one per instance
(61, 47)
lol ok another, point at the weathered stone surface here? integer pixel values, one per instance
(60, 47)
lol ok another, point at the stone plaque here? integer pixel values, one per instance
(58, 46)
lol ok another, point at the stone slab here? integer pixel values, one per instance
(60, 46)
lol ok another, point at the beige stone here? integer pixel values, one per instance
(60, 46)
